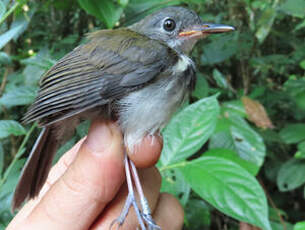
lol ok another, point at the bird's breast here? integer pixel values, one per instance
(147, 110)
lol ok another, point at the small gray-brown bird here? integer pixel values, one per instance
(137, 75)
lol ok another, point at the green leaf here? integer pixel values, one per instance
(2, 9)
(293, 133)
(229, 188)
(1, 159)
(137, 9)
(105, 10)
(5, 59)
(10, 127)
(249, 145)
(9, 35)
(280, 226)
(198, 214)
(291, 175)
(36, 65)
(294, 8)
(18, 96)
(234, 107)
(265, 23)
(220, 79)
(18, 26)
(296, 89)
(302, 63)
(300, 154)
(12, 179)
(301, 25)
(174, 183)
(189, 130)
(234, 133)
(202, 87)
(299, 226)
(23, 20)
(233, 156)
(220, 49)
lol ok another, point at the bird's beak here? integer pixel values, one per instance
(204, 29)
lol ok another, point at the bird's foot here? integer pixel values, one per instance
(144, 217)
(150, 222)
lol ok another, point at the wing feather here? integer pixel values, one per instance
(109, 66)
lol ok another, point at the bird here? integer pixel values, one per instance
(126, 75)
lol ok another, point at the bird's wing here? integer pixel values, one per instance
(109, 66)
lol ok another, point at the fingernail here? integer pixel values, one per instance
(100, 136)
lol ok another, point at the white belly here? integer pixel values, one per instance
(148, 110)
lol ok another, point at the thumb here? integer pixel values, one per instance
(90, 182)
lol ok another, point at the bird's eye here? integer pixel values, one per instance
(169, 25)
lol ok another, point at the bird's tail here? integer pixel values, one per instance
(36, 168)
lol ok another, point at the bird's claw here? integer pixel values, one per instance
(150, 222)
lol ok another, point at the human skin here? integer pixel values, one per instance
(86, 189)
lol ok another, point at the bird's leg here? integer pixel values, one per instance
(130, 201)
(146, 212)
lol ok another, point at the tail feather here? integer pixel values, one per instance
(36, 168)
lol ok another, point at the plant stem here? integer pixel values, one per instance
(173, 166)
(9, 12)
(18, 155)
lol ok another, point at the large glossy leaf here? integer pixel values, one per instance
(233, 156)
(189, 130)
(234, 133)
(10, 127)
(105, 10)
(229, 188)
(293, 133)
(249, 145)
(291, 175)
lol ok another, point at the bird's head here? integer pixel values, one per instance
(178, 27)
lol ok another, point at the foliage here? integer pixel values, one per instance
(243, 156)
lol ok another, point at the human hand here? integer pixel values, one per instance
(86, 189)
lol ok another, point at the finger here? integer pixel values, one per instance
(151, 182)
(87, 186)
(169, 213)
(56, 171)
(147, 153)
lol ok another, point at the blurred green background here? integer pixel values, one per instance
(240, 157)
